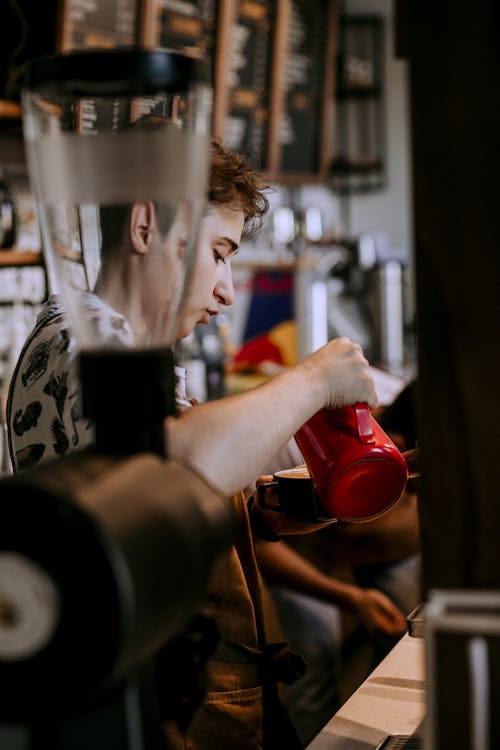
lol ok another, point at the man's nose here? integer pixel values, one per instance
(224, 289)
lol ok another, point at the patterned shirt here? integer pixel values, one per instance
(44, 416)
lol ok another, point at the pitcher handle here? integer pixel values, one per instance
(364, 423)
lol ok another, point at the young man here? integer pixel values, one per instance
(227, 441)
(43, 410)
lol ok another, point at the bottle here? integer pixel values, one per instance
(189, 355)
(214, 355)
(7, 215)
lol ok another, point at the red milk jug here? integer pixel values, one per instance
(357, 470)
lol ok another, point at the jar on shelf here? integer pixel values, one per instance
(7, 215)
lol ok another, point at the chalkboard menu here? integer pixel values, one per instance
(103, 115)
(300, 129)
(149, 105)
(91, 24)
(114, 115)
(272, 64)
(180, 25)
(246, 121)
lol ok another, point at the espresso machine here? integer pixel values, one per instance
(91, 545)
(353, 287)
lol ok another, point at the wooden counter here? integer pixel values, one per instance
(390, 701)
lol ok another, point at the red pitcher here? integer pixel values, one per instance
(357, 470)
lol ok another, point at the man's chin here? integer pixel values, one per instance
(185, 329)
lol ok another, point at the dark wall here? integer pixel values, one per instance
(27, 29)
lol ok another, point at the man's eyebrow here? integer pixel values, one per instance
(234, 245)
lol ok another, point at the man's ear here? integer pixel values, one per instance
(142, 226)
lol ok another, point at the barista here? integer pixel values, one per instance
(228, 442)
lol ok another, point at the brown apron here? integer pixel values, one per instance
(241, 709)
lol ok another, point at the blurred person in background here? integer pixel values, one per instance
(346, 587)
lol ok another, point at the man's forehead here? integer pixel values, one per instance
(224, 220)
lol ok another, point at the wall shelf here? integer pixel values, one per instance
(10, 110)
(13, 258)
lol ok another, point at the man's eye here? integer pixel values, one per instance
(218, 257)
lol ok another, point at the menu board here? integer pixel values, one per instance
(114, 115)
(307, 62)
(246, 120)
(91, 24)
(188, 24)
(96, 115)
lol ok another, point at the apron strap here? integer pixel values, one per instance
(275, 662)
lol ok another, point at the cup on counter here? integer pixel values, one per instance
(295, 495)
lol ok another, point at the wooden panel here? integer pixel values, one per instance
(402, 29)
(10, 110)
(456, 161)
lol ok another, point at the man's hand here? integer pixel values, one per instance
(343, 372)
(377, 613)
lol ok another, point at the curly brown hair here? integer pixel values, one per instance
(231, 182)
(234, 183)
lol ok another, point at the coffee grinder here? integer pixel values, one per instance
(91, 545)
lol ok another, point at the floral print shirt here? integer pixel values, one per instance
(44, 415)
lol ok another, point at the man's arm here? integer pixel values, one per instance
(231, 440)
(282, 565)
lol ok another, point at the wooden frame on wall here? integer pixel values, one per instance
(303, 85)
